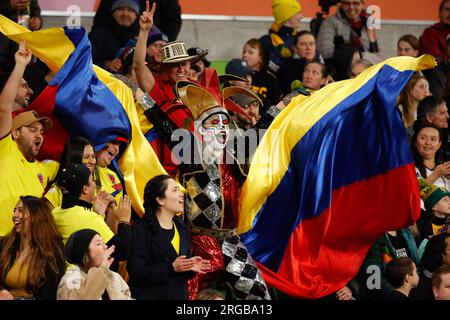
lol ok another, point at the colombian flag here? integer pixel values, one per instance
(333, 173)
(85, 100)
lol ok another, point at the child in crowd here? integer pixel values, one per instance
(401, 273)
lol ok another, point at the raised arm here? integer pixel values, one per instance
(9, 92)
(144, 76)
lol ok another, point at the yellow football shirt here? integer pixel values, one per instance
(111, 183)
(54, 195)
(76, 218)
(20, 178)
(108, 178)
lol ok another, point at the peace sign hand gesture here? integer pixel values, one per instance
(146, 19)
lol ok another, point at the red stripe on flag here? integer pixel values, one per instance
(55, 138)
(325, 253)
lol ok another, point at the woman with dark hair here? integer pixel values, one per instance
(315, 76)
(408, 45)
(160, 261)
(89, 277)
(435, 255)
(305, 51)
(427, 153)
(31, 256)
(76, 150)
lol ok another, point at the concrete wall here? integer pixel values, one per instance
(225, 39)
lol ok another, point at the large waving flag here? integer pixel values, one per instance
(333, 173)
(83, 99)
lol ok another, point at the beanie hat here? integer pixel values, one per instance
(284, 9)
(78, 245)
(126, 3)
(155, 34)
(431, 194)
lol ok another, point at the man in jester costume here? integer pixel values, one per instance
(212, 182)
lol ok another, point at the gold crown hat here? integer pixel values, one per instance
(200, 101)
(175, 52)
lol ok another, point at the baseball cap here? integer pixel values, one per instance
(28, 118)
(238, 67)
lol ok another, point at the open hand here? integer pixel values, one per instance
(123, 212)
(100, 202)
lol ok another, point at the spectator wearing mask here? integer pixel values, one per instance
(278, 45)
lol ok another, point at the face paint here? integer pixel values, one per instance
(214, 130)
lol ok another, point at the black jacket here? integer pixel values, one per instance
(167, 15)
(150, 270)
(108, 38)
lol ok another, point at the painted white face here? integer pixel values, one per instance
(214, 130)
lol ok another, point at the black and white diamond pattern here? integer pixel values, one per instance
(241, 273)
(204, 198)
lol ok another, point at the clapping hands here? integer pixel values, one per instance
(195, 264)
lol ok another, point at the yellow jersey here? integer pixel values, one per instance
(54, 195)
(108, 178)
(76, 218)
(110, 183)
(20, 178)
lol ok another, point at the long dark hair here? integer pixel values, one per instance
(46, 248)
(432, 256)
(418, 160)
(73, 153)
(155, 188)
